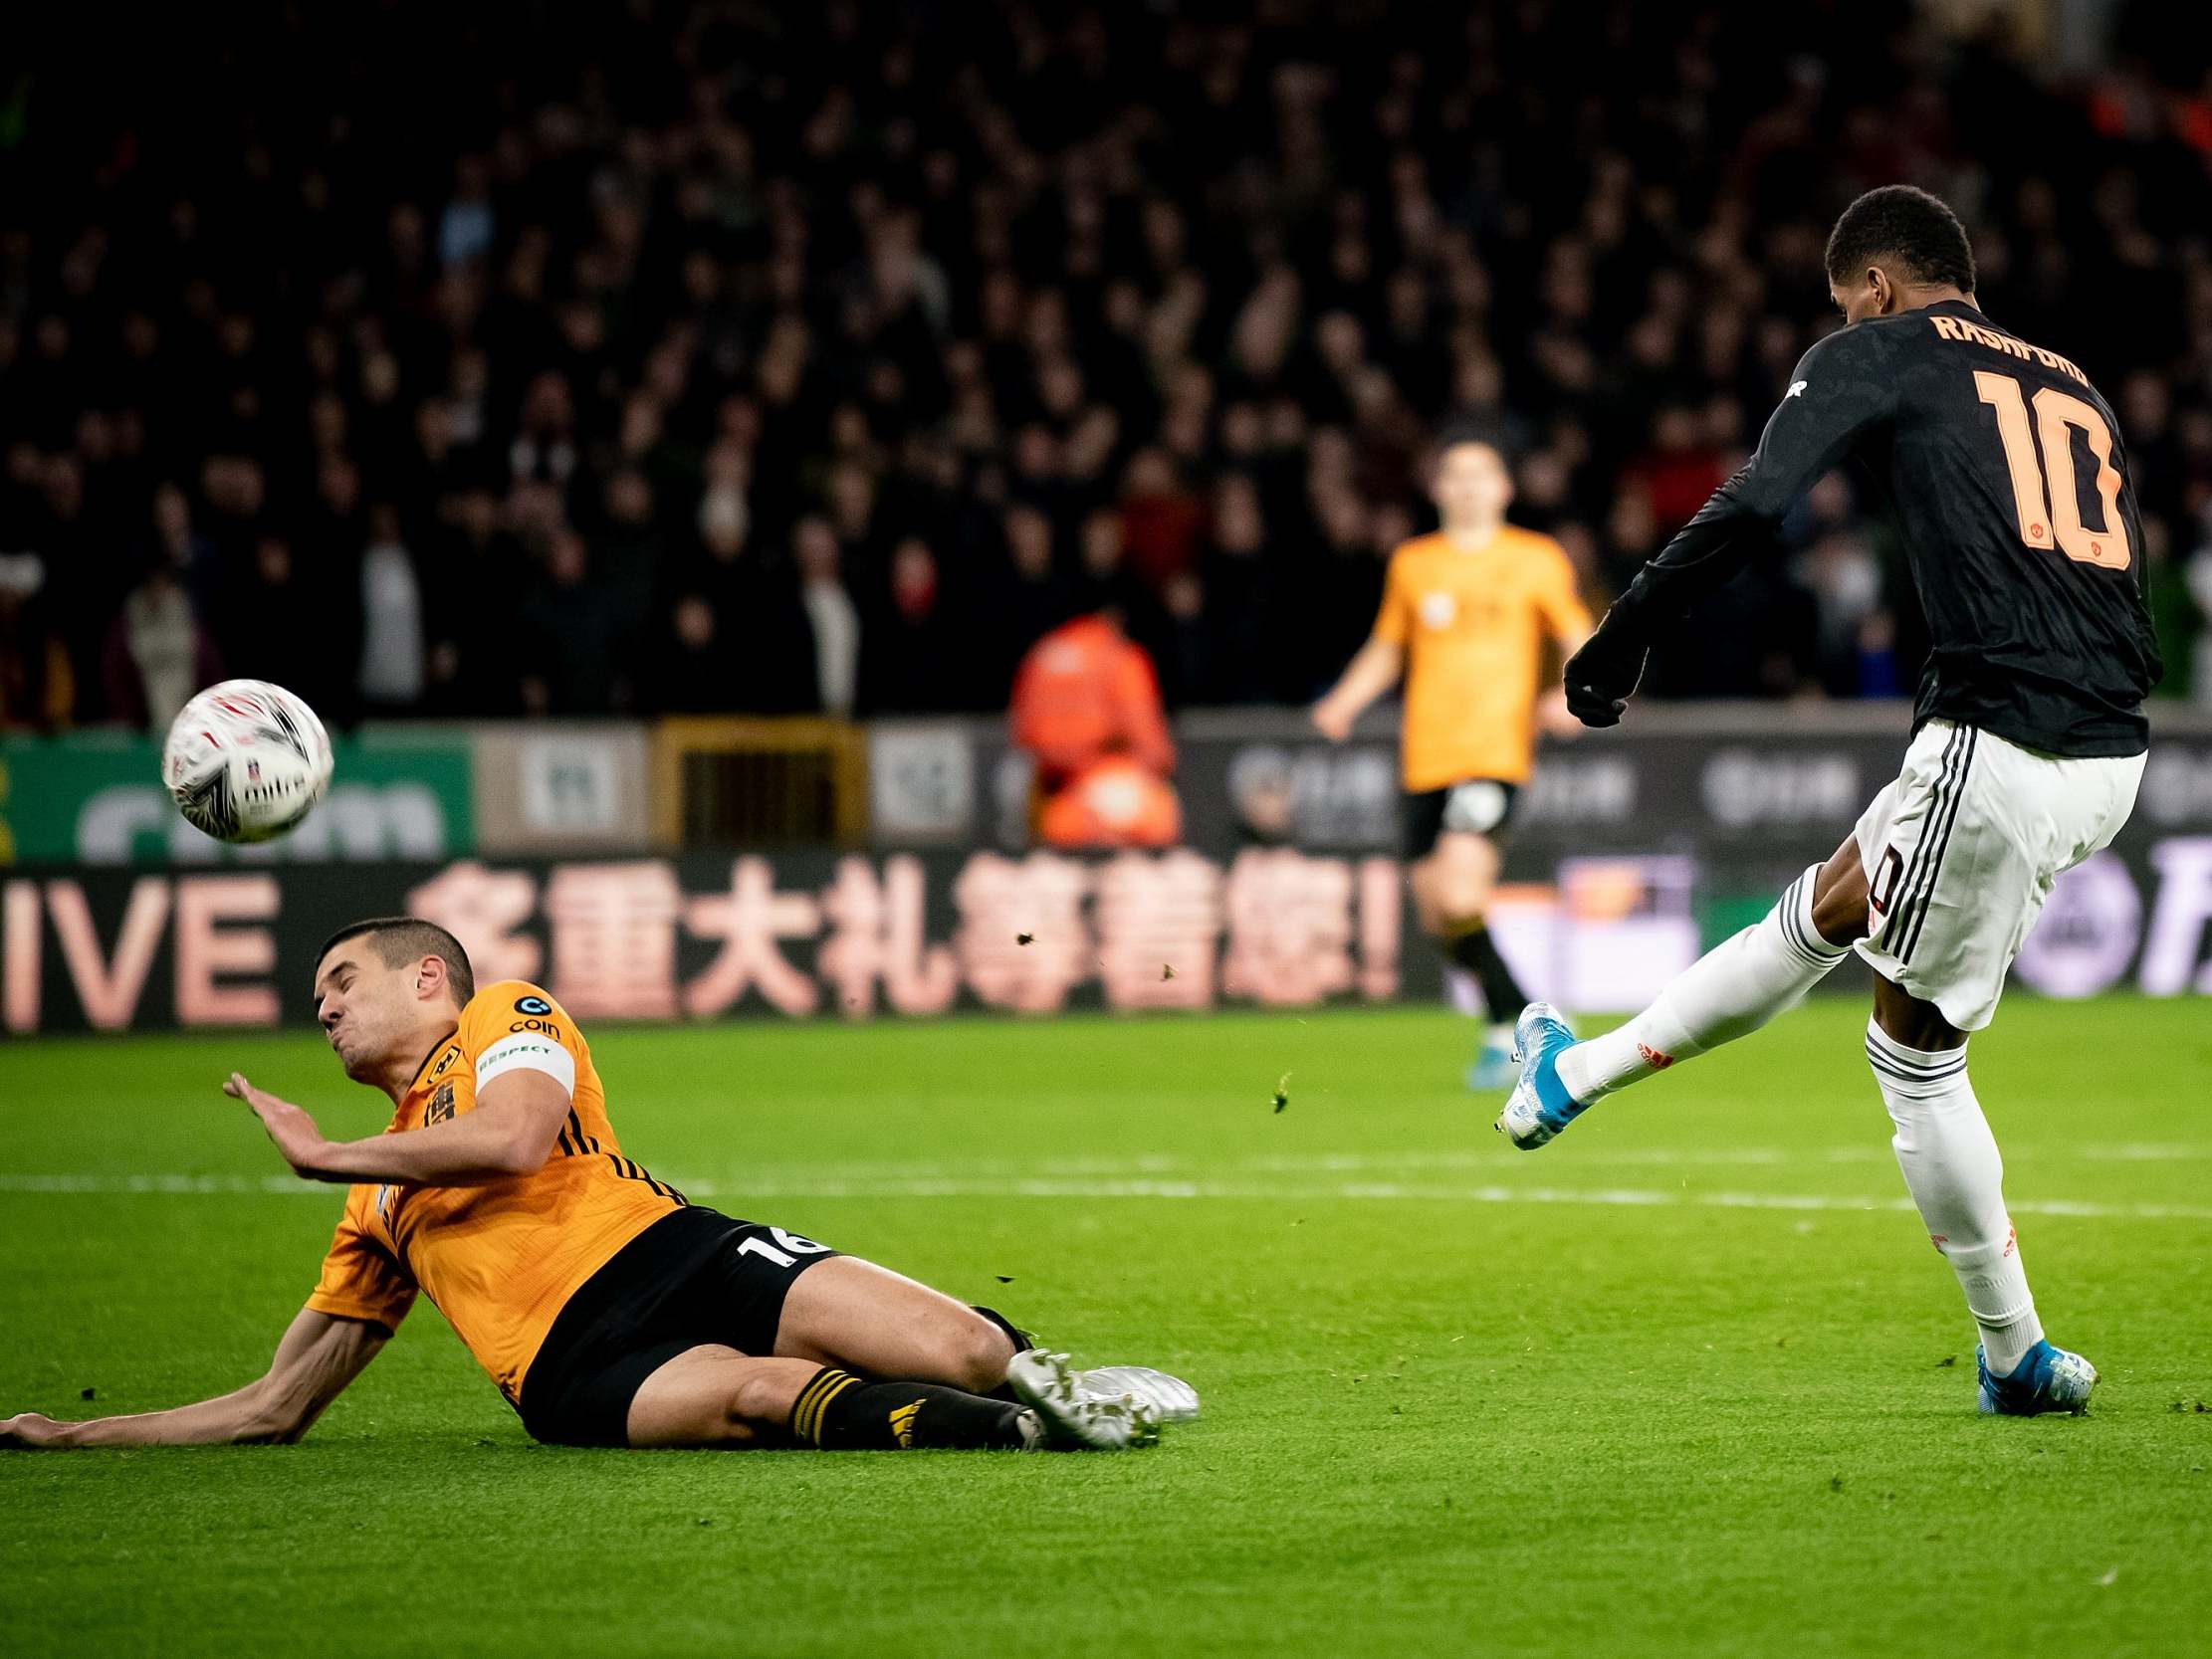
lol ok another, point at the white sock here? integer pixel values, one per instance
(1731, 990)
(1957, 1178)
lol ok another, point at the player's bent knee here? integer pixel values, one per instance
(1466, 913)
(1461, 899)
(974, 1355)
(1914, 1023)
(1453, 906)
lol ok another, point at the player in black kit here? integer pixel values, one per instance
(2005, 473)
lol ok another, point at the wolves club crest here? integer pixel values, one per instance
(440, 1107)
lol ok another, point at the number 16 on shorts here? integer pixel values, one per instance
(786, 1249)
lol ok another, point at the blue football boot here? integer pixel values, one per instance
(2046, 1379)
(1539, 1106)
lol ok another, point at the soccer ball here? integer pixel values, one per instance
(246, 760)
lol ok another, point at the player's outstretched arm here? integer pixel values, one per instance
(318, 1356)
(1368, 675)
(1842, 389)
(511, 1131)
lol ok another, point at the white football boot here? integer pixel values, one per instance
(1070, 1417)
(1172, 1399)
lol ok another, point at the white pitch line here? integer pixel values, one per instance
(1607, 1197)
(1041, 1187)
(895, 1177)
(126, 1186)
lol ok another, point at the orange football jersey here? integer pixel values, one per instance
(499, 1260)
(1473, 626)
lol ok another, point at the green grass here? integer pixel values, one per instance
(1452, 1403)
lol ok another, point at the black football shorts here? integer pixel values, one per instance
(1476, 805)
(692, 1278)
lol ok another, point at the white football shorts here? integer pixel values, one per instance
(1961, 852)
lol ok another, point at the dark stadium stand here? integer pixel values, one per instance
(667, 358)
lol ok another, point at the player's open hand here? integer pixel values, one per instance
(291, 1129)
(31, 1432)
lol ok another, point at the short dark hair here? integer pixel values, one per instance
(1905, 223)
(406, 938)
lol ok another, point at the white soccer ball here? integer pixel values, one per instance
(246, 760)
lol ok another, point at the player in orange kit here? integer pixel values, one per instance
(608, 1309)
(1466, 614)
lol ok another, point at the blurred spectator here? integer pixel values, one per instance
(1033, 595)
(569, 667)
(466, 230)
(479, 572)
(270, 625)
(391, 612)
(1160, 519)
(831, 618)
(690, 675)
(187, 552)
(631, 554)
(157, 654)
(908, 653)
(37, 689)
(1679, 471)
(1236, 593)
(1843, 579)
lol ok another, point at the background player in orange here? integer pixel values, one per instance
(609, 1309)
(1466, 613)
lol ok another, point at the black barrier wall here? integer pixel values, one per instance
(866, 936)
(1633, 850)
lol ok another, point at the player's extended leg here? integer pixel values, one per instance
(1729, 992)
(1956, 1176)
(1451, 891)
(850, 1313)
(714, 1398)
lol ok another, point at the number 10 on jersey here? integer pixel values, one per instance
(2051, 515)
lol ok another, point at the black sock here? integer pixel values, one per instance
(1476, 951)
(841, 1412)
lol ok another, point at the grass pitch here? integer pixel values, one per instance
(1689, 1380)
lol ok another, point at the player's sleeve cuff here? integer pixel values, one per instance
(528, 1051)
(386, 1314)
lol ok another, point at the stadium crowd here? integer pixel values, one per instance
(699, 357)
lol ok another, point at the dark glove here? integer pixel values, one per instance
(1602, 674)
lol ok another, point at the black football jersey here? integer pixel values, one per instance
(2004, 468)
